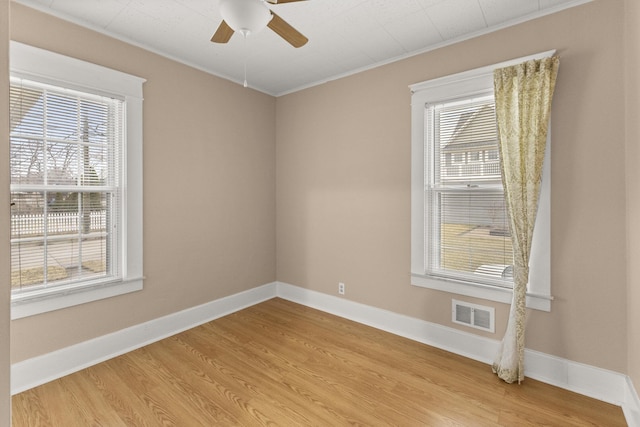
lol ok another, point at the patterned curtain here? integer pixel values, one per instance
(523, 96)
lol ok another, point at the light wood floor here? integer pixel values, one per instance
(280, 363)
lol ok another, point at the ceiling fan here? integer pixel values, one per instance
(250, 16)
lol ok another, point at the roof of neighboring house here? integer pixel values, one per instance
(475, 130)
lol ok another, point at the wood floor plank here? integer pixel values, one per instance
(267, 378)
(58, 405)
(177, 393)
(198, 385)
(30, 411)
(117, 392)
(300, 381)
(280, 363)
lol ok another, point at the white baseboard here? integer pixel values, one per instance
(631, 408)
(48, 367)
(465, 344)
(601, 384)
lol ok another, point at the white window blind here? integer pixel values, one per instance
(65, 160)
(467, 230)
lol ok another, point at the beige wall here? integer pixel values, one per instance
(632, 54)
(5, 401)
(343, 183)
(209, 188)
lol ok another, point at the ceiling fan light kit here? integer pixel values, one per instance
(245, 16)
(250, 16)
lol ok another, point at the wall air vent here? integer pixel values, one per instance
(474, 315)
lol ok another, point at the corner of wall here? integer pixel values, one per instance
(5, 296)
(632, 135)
(632, 405)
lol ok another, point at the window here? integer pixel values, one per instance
(460, 240)
(75, 158)
(474, 156)
(492, 155)
(466, 217)
(65, 186)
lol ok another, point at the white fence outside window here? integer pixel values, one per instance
(30, 225)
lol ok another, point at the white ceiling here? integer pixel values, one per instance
(345, 36)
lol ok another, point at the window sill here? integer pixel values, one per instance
(34, 306)
(491, 293)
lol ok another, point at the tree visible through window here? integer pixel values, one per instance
(467, 224)
(65, 186)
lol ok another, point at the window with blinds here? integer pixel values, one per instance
(65, 160)
(466, 223)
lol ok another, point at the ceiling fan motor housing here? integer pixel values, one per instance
(245, 16)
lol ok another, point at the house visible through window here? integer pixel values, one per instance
(65, 186)
(76, 181)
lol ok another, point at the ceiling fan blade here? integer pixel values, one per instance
(223, 33)
(286, 31)
(282, 1)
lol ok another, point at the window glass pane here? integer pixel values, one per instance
(95, 164)
(27, 214)
(26, 111)
(27, 161)
(95, 121)
(62, 163)
(27, 239)
(62, 117)
(474, 235)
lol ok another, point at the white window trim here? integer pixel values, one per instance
(468, 84)
(48, 67)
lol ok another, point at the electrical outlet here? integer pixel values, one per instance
(341, 288)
